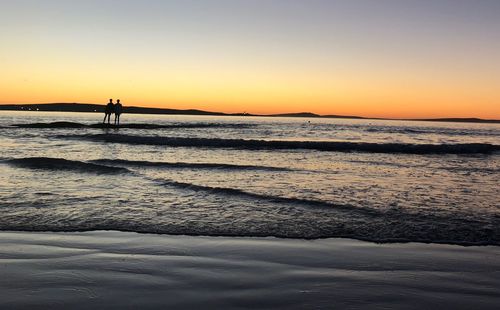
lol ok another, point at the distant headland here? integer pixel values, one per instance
(99, 108)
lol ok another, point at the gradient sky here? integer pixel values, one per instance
(383, 58)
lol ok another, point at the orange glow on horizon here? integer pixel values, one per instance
(267, 98)
(255, 89)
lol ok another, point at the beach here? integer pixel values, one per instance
(124, 270)
(235, 154)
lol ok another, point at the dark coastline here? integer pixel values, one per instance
(98, 108)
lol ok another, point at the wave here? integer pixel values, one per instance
(396, 225)
(425, 131)
(248, 213)
(51, 125)
(114, 165)
(484, 170)
(142, 163)
(227, 191)
(63, 125)
(48, 163)
(331, 146)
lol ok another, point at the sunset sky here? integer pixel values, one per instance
(383, 58)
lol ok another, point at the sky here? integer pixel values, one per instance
(383, 58)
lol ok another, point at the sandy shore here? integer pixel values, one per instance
(117, 270)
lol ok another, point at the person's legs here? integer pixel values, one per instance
(118, 119)
(104, 120)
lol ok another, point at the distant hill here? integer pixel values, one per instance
(300, 114)
(460, 120)
(347, 116)
(89, 107)
(309, 114)
(99, 108)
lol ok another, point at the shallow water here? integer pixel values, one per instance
(251, 176)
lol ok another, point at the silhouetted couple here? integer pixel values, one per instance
(113, 108)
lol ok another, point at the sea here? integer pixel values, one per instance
(306, 178)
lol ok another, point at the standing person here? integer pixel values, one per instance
(108, 110)
(118, 111)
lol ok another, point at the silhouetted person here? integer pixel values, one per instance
(118, 111)
(108, 110)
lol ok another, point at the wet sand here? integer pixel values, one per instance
(120, 270)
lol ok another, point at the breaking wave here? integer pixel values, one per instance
(276, 199)
(484, 170)
(426, 131)
(115, 165)
(142, 163)
(331, 146)
(48, 163)
(131, 126)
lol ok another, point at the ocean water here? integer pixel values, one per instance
(384, 181)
